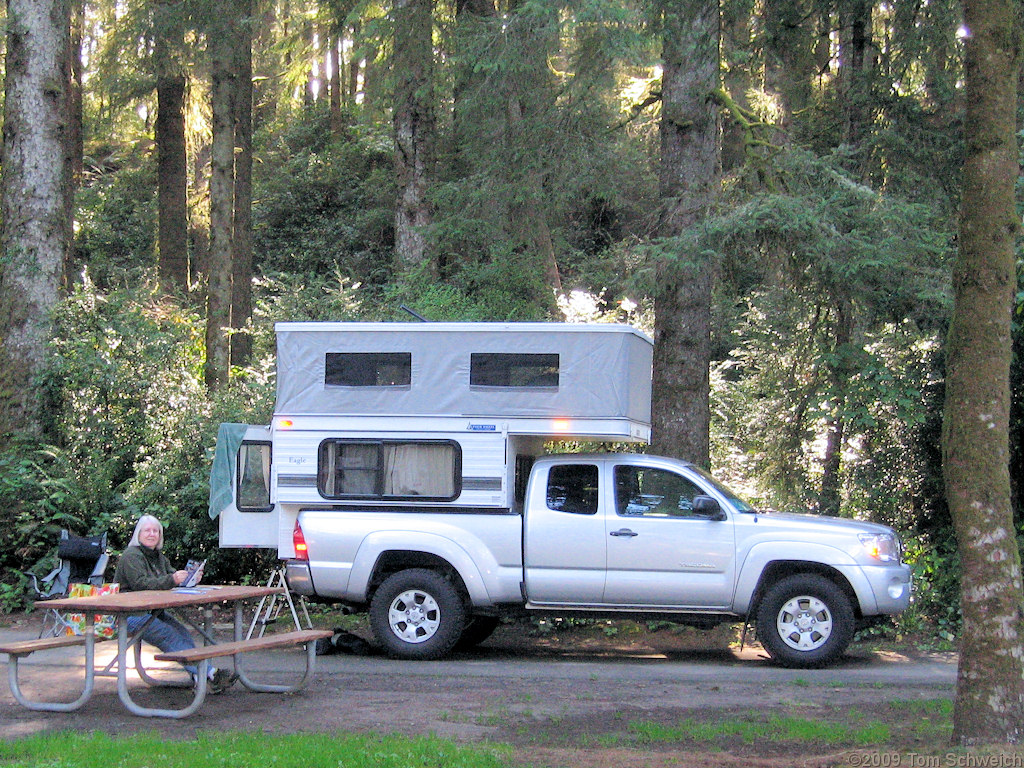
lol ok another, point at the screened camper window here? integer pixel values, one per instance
(253, 474)
(487, 369)
(385, 469)
(368, 369)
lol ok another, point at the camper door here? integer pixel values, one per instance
(249, 518)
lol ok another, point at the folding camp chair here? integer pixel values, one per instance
(82, 560)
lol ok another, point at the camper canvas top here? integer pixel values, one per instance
(494, 370)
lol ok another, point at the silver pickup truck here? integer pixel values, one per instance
(623, 535)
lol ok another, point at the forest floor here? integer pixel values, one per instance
(603, 695)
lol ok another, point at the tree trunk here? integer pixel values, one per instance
(414, 130)
(337, 122)
(789, 53)
(830, 499)
(172, 158)
(36, 188)
(309, 92)
(689, 184)
(989, 704)
(75, 94)
(198, 231)
(353, 67)
(222, 195)
(76, 121)
(241, 244)
(854, 77)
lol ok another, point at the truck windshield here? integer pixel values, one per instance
(739, 504)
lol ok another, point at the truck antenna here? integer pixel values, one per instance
(417, 315)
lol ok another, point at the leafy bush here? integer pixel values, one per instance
(39, 501)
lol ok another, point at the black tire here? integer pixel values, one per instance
(417, 614)
(478, 629)
(805, 621)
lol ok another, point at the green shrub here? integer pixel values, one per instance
(39, 500)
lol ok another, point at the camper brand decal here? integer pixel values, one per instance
(483, 428)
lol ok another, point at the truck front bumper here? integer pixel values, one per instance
(891, 586)
(300, 580)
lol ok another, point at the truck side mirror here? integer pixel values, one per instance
(705, 506)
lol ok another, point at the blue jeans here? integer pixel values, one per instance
(166, 633)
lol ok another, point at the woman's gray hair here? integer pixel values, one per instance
(138, 527)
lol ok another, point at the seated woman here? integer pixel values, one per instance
(143, 566)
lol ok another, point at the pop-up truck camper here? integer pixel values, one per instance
(403, 473)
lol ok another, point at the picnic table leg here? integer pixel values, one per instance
(56, 706)
(267, 687)
(125, 695)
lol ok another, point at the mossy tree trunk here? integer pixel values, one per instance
(414, 126)
(36, 199)
(222, 196)
(690, 180)
(989, 704)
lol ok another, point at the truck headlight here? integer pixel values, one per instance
(883, 547)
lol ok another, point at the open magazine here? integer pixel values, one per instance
(194, 569)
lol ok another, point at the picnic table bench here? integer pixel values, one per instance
(204, 653)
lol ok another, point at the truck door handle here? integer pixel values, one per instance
(625, 532)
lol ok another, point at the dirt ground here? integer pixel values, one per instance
(604, 696)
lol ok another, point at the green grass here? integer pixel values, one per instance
(752, 727)
(244, 750)
(931, 721)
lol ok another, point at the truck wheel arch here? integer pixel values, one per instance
(776, 571)
(391, 562)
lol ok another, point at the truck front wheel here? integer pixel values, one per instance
(805, 621)
(417, 614)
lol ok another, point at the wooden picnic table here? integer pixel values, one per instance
(124, 604)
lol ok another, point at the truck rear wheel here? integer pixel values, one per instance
(805, 621)
(417, 614)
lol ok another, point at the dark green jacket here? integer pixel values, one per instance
(143, 568)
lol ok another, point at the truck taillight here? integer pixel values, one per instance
(299, 541)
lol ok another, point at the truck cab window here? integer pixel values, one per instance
(253, 474)
(650, 492)
(572, 488)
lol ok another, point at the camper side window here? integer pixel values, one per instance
(388, 469)
(253, 473)
(368, 369)
(505, 369)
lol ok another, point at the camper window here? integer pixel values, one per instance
(427, 470)
(368, 369)
(513, 370)
(253, 473)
